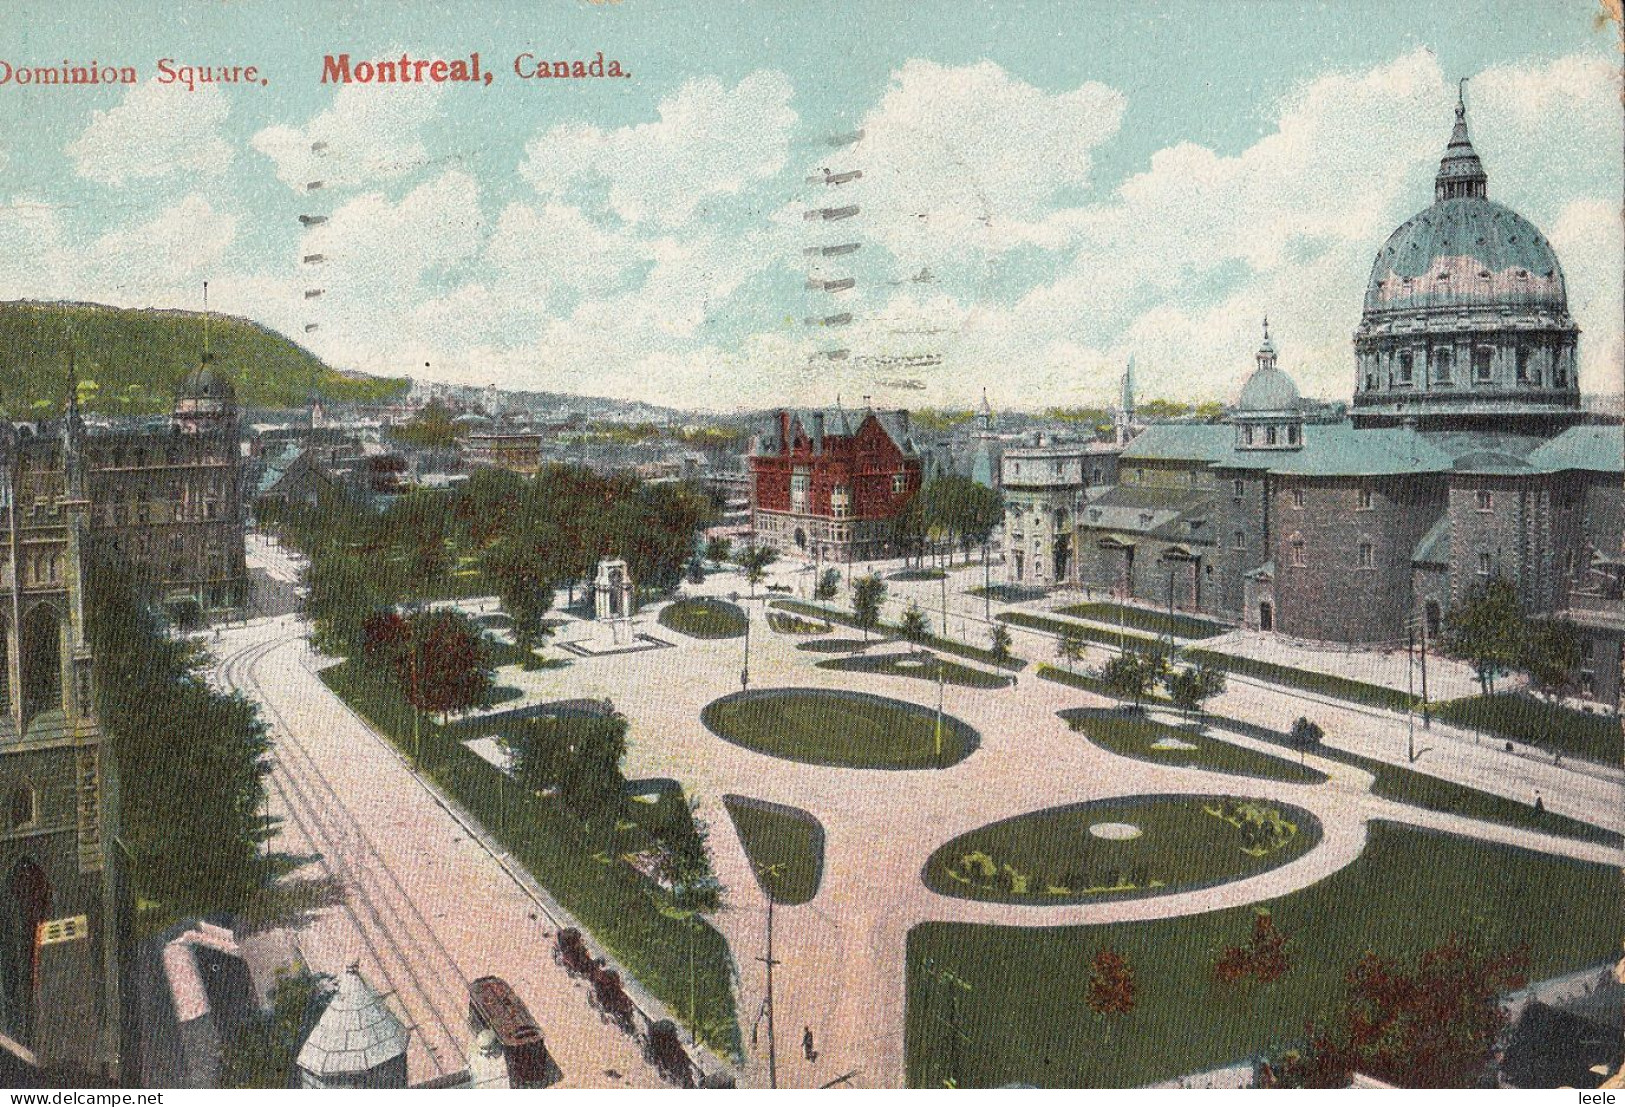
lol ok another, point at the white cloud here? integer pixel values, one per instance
(370, 134)
(155, 131)
(710, 141)
(167, 253)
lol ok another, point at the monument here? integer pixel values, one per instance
(612, 599)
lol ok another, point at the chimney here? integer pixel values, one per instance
(784, 431)
(818, 432)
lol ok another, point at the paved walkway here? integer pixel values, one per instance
(843, 954)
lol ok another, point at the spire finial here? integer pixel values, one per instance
(1266, 328)
(1461, 97)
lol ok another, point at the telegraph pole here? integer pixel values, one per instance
(769, 874)
(1410, 694)
(1427, 715)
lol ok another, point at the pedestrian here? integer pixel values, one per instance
(1540, 804)
(807, 1044)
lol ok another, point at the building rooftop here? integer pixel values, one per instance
(357, 1033)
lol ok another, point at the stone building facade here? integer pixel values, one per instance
(59, 922)
(1045, 488)
(1466, 457)
(829, 486)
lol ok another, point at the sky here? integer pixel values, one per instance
(1047, 189)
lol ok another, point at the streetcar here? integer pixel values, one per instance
(493, 1006)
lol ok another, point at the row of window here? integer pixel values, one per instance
(1483, 369)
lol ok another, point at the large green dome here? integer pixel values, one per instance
(1468, 250)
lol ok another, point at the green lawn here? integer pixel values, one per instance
(1342, 688)
(1522, 719)
(1405, 785)
(1006, 593)
(1060, 626)
(1184, 842)
(853, 730)
(919, 666)
(917, 574)
(785, 623)
(785, 846)
(1149, 740)
(1090, 683)
(946, 645)
(834, 645)
(1024, 1019)
(609, 898)
(1139, 618)
(704, 618)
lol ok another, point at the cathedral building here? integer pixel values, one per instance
(1466, 456)
(164, 500)
(59, 927)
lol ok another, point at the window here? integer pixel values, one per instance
(1367, 556)
(1297, 552)
(1523, 363)
(1292, 435)
(1486, 500)
(1485, 564)
(1239, 540)
(1407, 361)
(1241, 489)
(1560, 370)
(1247, 435)
(1297, 497)
(1094, 477)
(23, 807)
(1482, 360)
(1441, 366)
(1269, 436)
(899, 483)
(1365, 499)
(1371, 381)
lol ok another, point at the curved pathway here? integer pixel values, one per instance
(843, 954)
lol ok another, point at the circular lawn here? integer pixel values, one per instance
(851, 730)
(1124, 848)
(704, 618)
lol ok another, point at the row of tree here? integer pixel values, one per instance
(950, 511)
(1495, 635)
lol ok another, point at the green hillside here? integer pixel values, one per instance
(137, 358)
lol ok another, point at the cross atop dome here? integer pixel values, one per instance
(1461, 174)
(1266, 352)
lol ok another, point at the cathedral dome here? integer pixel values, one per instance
(204, 383)
(1268, 389)
(1467, 251)
(1466, 321)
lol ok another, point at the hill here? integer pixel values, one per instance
(138, 357)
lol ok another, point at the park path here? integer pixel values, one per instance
(843, 954)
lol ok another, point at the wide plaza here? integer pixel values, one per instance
(841, 957)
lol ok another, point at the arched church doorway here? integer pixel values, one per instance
(25, 903)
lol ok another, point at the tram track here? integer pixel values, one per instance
(414, 964)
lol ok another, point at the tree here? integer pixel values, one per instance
(696, 570)
(999, 643)
(1264, 958)
(439, 659)
(1549, 653)
(261, 1053)
(683, 863)
(1306, 735)
(868, 593)
(1193, 685)
(829, 585)
(1111, 985)
(753, 561)
(962, 509)
(717, 549)
(1133, 673)
(1433, 1023)
(431, 428)
(914, 625)
(1070, 645)
(524, 578)
(577, 756)
(1485, 631)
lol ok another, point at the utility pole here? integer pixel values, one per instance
(941, 675)
(1427, 714)
(987, 586)
(945, 603)
(744, 674)
(1170, 614)
(769, 875)
(1410, 694)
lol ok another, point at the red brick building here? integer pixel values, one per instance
(828, 485)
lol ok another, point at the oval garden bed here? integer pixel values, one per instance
(852, 730)
(704, 618)
(1086, 852)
